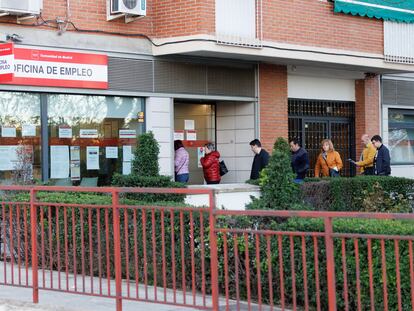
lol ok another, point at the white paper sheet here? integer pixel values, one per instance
(200, 154)
(8, 131)
(8, 157)
(179, 135)
(111, 152)
(88, 133)
(126, 168)
(65, 132)
(59, 161)
(189, 124)
(127, 153)
(92, 158)
(28, 130)
(126, 133)
(191, 135)
(75, 153)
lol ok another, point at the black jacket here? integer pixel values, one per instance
(300, 163)
(382, 161)
(260, 161)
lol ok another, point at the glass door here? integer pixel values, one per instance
(196, 125)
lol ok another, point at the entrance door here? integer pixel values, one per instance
(197, 124)
(311, 121)
(340, 134)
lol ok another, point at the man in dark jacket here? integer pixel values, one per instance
(300, 160)
(382, 160)
(261, 158)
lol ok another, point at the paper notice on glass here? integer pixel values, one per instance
(126, 168)
(92, 158)
(28, 130)
(111, 152)
(75, 170)
(179, 135)
(200, 154)
(65, 132)
(74, 153)
(8, 157)
(8, 131)
(189, 124)
(126, 133)
(127, 153)
(59, 161)
(88, 133)
(191, 135)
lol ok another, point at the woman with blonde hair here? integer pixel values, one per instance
(329, 161)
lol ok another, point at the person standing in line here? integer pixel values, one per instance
(181, 162)
(382, 159)
(211, 164)
(261, 158)
(329, 161)
(366, 162)
(300, 161)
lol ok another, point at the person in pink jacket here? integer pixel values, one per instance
(181, 162)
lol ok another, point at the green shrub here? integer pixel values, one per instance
(361, 193)
(305, 247)
(145, 161)
(278, 191)
(134, 180)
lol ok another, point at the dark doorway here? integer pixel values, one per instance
(311, 121)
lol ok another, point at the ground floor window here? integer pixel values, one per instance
(81, 137)
(401, 135)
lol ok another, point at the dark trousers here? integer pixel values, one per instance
(369, 171)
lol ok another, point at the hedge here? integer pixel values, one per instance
(361, 193)
(316, 225)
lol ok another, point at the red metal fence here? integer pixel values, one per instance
(205, 258)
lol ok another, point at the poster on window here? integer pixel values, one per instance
(111, 152)
(126, 168)
(28, 130)
(8, 131)
(125, 133)
(127, 153)
(92, 158)
(59, 161)
(8, 157)
(200, 154)
(65, 132)
(191, 135)
(75, 170)
(75, 153)
(88, 133)
(178, 135)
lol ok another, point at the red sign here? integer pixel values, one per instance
(60, 69)
(6, 62)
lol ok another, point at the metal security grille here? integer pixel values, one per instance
(311, 121)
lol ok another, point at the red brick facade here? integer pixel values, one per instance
(367, 109)
(301, 22)
(273, 103)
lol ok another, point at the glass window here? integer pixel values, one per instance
(401, 135)
(86, 127)
(20, 125)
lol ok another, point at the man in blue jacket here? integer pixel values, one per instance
(300, 160)
(382, 160)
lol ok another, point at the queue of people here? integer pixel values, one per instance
(374, 160)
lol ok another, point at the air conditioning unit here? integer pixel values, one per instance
(131, 7)
(21, 7)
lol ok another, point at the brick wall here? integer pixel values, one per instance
(313, 23)
(367, 113)
(273, 104)
(302, 22)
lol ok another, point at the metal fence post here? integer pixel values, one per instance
(213, 253)
(117, 250)
(330, 264)
(33, 222)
